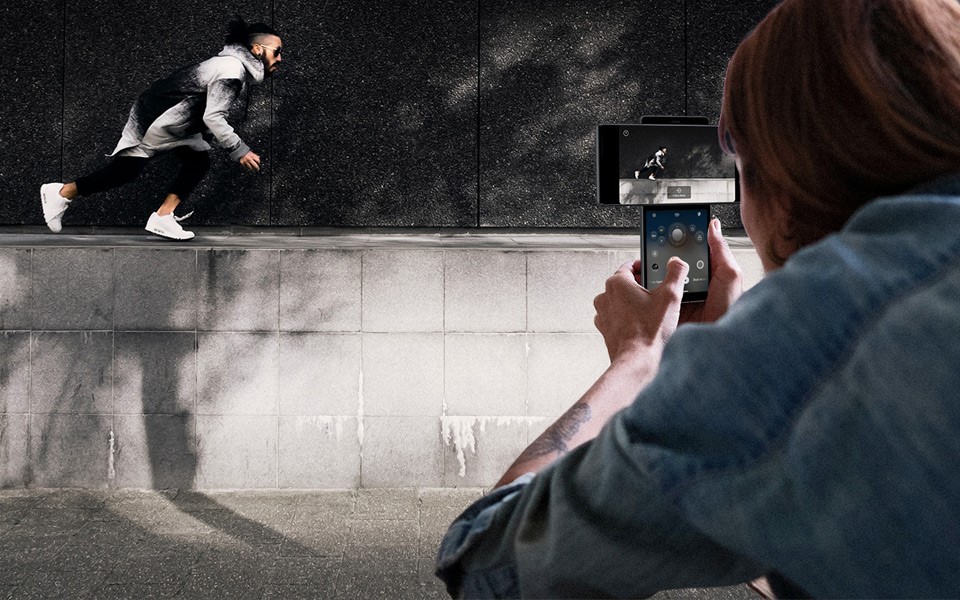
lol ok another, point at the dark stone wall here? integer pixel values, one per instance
(407, 114)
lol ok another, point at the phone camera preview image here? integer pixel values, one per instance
(681, 232)
(663, 164)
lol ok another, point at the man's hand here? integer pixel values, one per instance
(726, 282)
(636, 323)
(250, 161)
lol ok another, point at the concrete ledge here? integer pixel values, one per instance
(283, 362)
(346, 238)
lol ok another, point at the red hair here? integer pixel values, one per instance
(832, 103)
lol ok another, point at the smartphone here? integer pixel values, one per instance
(664, 160)
(677, 230)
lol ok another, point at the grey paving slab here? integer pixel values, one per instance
(320, 290)
(271, 508)
(238, 373)
(72, 372)
(323, 503)
(410, 99)
(548, 75)
(319, 574)
(319, 452)
(402, 374)
(155, 451)
(478, 451)
(484, 374)
(383, 539)
(237, 452)
(155, 373)
(14, 372)
(73, 288)
(299, 592)
(327, 542)
(387, 504)
(364, 578)
(30, 155)
(561, 367)
(51, 522)
(401, 452)
(155, 289)
(242, 529)
(16, 308)
(167, 525)
(560, 303)
(225, 579)
(440, 506)
(319, 374)
(61, 584)
(485, 291)
(152, 569)
(20, 555)
(73, 499)
(239, 290)
(402, 290)
(70, 450)
(122, 591)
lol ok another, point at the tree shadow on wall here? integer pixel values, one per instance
(546, 81)
(78, 438)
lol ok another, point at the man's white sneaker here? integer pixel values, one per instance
(167, 226)
(652, 178)
(54, 205)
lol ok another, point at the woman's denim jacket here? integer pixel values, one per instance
(813, 431)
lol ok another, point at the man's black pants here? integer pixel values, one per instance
(124, 169)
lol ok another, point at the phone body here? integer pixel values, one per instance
(664, 160)
(677, 230)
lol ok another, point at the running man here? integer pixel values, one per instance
(653, 164)
(181, 114)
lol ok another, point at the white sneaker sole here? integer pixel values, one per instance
(167, 236)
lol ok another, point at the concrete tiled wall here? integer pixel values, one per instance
(222, 368)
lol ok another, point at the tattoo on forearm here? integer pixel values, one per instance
(555, 438)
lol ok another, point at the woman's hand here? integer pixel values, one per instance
(726, 281)
(636, 323)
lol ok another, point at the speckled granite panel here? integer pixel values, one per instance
(114, 51)
(30, 124)
(375, 118)
(550, 72)
(715, 29)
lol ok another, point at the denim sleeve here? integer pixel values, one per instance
(497, 582)
(592, 525)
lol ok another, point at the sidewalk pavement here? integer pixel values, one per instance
(355, 544)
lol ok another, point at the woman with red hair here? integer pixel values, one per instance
(808, 430)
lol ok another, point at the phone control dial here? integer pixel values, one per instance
(677, 235)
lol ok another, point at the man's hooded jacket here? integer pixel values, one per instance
(193, 101)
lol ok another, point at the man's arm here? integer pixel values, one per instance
(634, 349)
(615, 389)
(633, 364)
(221, 94)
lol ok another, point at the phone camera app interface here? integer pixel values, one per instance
(680, 232)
